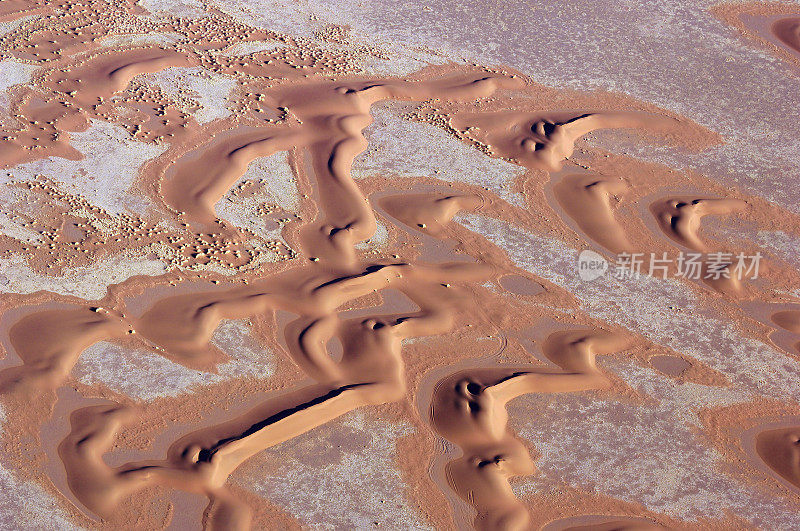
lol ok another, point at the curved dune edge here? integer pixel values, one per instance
(99, 77)
(469, 409)
(540, 141)
(679, 218)
(330, 118)
(202, 462)
(321, 124)
(737, 431)
(89, 86)
(788, 31)
(181, 325)
(589, 201)
(779, 26)
(780, 450)
(788, 320)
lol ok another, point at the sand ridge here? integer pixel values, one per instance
(780, 449)
(469, 409)
(788, 31)
(589, 200)
(680, 218)
(315, 105)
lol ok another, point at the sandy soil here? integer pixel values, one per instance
(285, 265)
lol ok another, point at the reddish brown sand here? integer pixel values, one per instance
(468, 408)
(773, 25)
(788, 31)
(680, 218)
(788, 320)
(780, 449)
(337, 314)
(589, 199)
